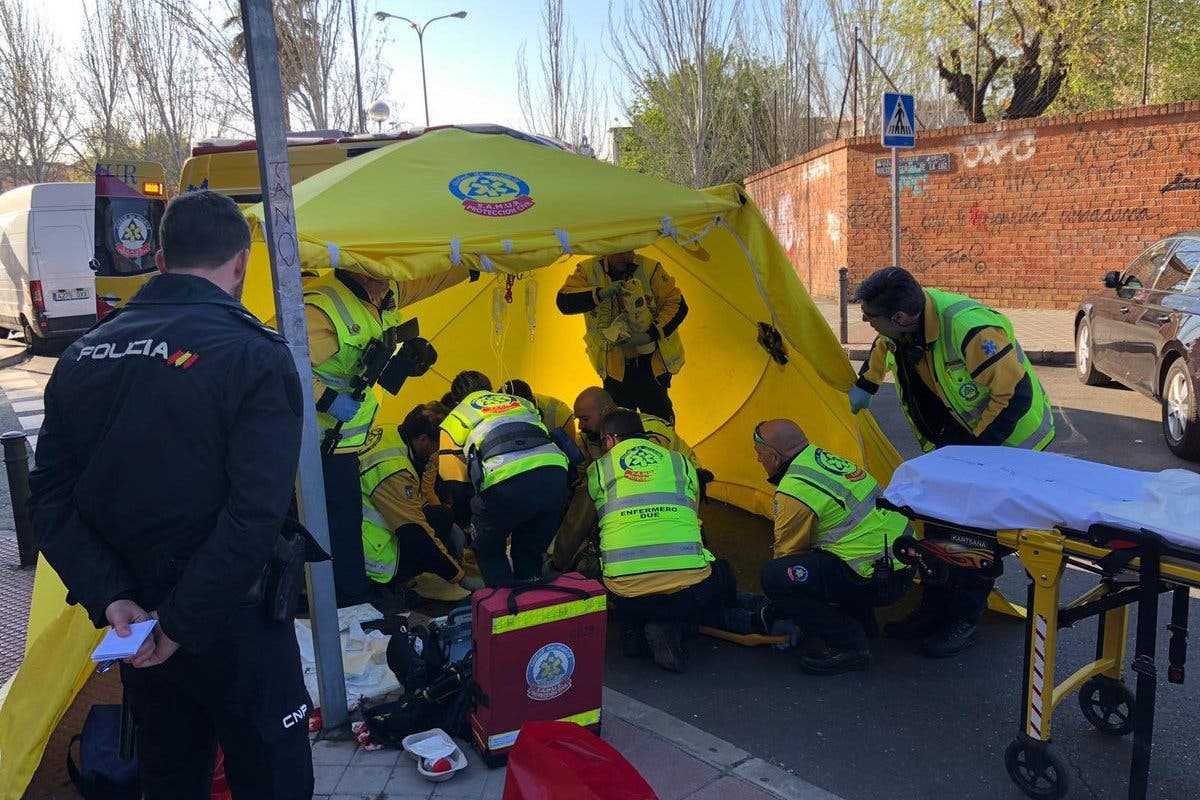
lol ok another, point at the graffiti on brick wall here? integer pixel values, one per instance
(833, 226)
(1135, 142)
(815, 169)
(1181, 183)
(996, 149)
(1108, 215)
(963, 257)
(978, 217)
(785, 227)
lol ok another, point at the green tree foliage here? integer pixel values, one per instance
(1108, 73)
(1026, 49)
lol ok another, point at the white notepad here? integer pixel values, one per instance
(113, 647)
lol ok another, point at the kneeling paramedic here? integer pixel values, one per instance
(571, 542)
(833, 562)
(962, 379)
(519, 476)
(655, 567)
(354, 326)
(165, 469)
(403, 537)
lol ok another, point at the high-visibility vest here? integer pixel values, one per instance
(555, 413)
(384, 459)
(657, 429)
(645, 498)
(843, 496)
(356, 328)
(966, 399)
(478, 424)
(597, 345)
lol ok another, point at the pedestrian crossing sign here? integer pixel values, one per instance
(897, 121)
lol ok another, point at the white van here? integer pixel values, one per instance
(46, 285)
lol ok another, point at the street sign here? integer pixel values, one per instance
(914, 165)
(897, 120)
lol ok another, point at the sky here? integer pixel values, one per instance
(471, 63)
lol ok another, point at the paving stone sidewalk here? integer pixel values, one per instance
(678, 760)
(1046, 335)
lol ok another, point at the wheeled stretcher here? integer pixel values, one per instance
(1139, 532)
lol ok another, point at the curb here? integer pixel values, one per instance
(727, 758)
(1043, 358)
(14, 359)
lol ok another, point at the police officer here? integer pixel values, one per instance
(655, 567)
(404, 538)
(518, 473)
(165, 468)
(832, 555)
(346, 312)
(632, 309)
(962, 379)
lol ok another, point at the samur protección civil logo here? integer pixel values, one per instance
(494, 403)
(548, 673)
(839, 466)
(491, 194)
(637, 462)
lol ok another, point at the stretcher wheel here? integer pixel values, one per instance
(1037, 769)
(1108, 705)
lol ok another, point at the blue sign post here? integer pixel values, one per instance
(897, 128)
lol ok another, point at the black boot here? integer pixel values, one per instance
(633, 641)
(951, 639)
(917, 625)
(666, 644)
(831, 661)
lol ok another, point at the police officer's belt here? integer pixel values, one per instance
(511, 438)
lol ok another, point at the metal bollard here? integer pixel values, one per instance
(843, 300)
(16, 464)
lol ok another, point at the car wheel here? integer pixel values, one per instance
(1181, 427)
(1084, 366)
(34, 344)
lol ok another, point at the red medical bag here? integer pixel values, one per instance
(557, 759)
(539, 655)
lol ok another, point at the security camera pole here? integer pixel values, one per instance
(279, 215)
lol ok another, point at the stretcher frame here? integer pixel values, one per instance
(1135, 567)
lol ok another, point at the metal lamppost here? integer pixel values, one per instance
(420, 29)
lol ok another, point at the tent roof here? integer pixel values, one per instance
(485, 200)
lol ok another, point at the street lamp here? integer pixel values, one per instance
(379, 113)
(420, 29)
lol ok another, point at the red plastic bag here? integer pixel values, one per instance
(556, 760)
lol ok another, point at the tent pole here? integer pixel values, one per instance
(279, 220)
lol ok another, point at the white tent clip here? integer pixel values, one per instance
(456, 251)
(564, 240)
(335, 255)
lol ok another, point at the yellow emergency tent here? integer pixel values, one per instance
(523, 214)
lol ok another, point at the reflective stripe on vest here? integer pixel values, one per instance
(371, 515)
(849, 525)
(355, 326)
(376, 456)
(666, 537)
(470, 425)
(380, 549)
(620, 554)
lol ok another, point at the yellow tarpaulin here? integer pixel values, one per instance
(518, 210)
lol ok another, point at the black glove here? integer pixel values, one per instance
(413, 359)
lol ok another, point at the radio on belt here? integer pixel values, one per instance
(539, 655)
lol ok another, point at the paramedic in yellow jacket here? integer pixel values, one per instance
(632, 311)
(962, 379)
(405, 539)
(519, 476)
(832, 556)
(345, 311)
(591, 406)
(655, 567)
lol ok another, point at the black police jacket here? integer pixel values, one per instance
(167, 457)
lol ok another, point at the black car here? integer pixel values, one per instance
(1143, 331)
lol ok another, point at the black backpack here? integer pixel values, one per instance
(104, 772)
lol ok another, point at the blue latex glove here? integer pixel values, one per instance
(344, 407)
(859, 399)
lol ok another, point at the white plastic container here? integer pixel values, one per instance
(429, 746)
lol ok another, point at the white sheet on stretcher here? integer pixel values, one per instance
(997, 488)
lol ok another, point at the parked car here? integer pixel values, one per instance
(1143, 331)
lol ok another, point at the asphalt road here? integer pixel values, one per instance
(911, 728)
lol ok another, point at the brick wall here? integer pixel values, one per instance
(1030, 214)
